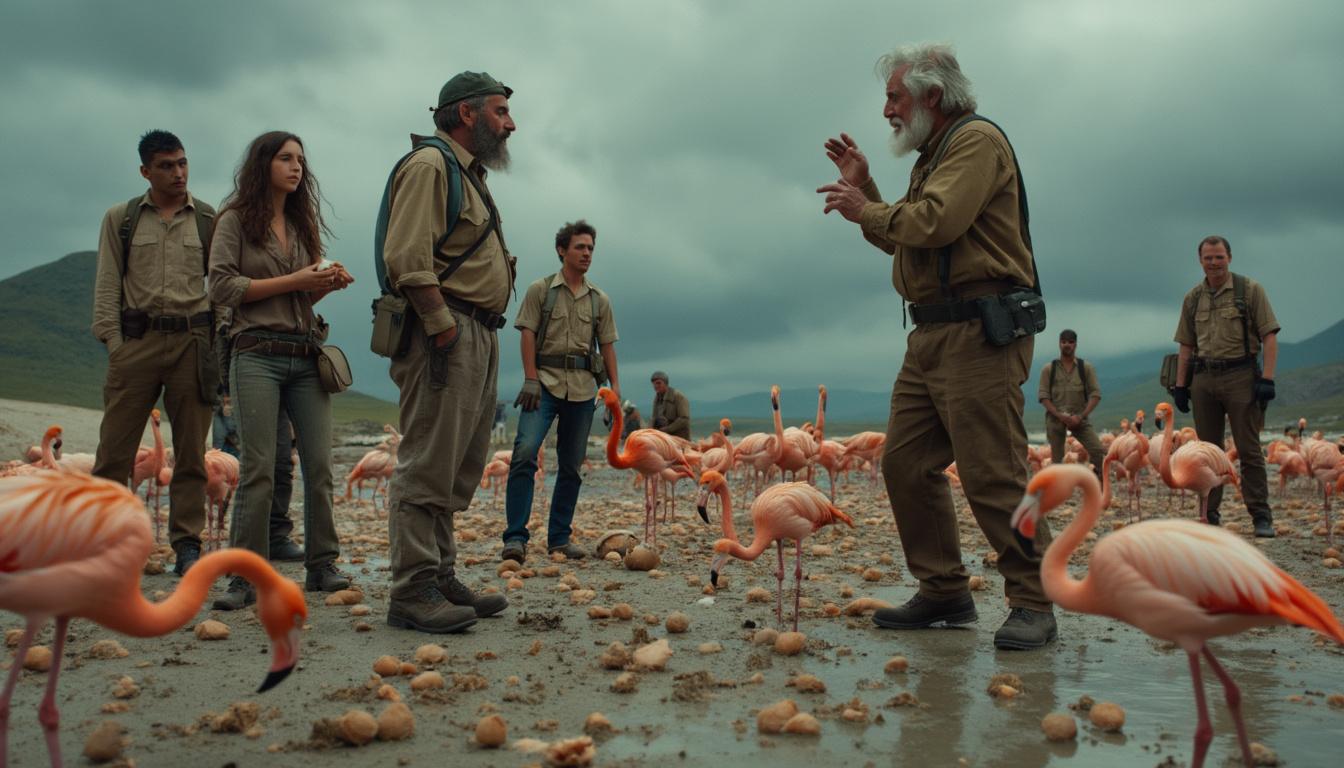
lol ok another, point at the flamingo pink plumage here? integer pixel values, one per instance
(1177, 580)
(867, 446)
(73, 546)
(493, 477)
(148, 463)
(221, 482)
(785, 511)
(1196, 466)
(762, 450)
(378, 465)
(1326, 464)
(648, 452)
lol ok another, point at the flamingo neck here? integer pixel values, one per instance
(726, 506)
(777, 449)
(820, 432)
(139, 617)
(614, 458)
(1066, 591)
(158, 442)
(1106, 482)
(759, 542)
(48, 457)
(1164, 454)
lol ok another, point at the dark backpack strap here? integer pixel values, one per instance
(454, 207)
(129, 221)
(205, 228)
(1082, 374)
(1054, 366)
(1239, 300)
(547, 307)
(1024, 211)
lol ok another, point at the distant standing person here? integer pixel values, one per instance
(151, 310)
(1070, 392)
(960, 242)
(1225, 322)
(568, 350)
(267, 266)
(457, 276)
(671, 410)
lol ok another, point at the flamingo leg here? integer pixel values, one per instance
(16, 667)
(779, 584)
(1232, 694)
(1204, 730)
(797, 581)
(1203, 508)
(47, 713)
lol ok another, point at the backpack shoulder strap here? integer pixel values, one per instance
(1054, 366)
(547, 307)
(205, 228)
(1239, 300)
(129, 220)
(1082, 374)
(454, 206)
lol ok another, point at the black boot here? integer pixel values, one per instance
(460, 594)
(1264, 527)
(239, 595)
(188, 552)
(920, 612)
(1025, 629)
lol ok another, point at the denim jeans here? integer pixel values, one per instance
(571, 445)
(262, 387)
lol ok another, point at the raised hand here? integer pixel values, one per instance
(849, 159)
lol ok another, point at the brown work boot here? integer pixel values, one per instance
(570, 550)
(326, 578)
(429, 611)
(460, 594)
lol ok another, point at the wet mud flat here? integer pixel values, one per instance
(540, 665)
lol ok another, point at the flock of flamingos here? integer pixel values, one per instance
(74, 546)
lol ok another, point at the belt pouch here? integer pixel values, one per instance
(391, 326)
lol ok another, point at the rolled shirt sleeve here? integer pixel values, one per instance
(1043, 392)
(529, 309)
(606, 327)
(408, 252)
(227, 283)
(107, 288)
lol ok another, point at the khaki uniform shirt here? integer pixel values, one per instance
(674, 410)
(969, 203)
(165, 271)
(569, 332)
(234, 263)
(1217, 332)
(1067, 394)
(416, 221)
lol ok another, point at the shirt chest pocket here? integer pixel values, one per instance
(189, 275)
(144, 249)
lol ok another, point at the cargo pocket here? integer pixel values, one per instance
(207, 368)
(440, 358)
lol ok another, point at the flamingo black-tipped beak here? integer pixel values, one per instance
(704, 515)
(1158, 422)
(714, 578)
(274, 678)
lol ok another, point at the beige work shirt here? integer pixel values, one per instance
(418, 204)
(674, 410)
(235, 263)
(1217, 330)
(1067, 393)
(569, 332)
(165, 271)
(969, 203)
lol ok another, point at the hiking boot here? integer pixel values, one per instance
(1215, 518)
(515, 551)
(920, 612)
(188, 552)
(239, 595)
(429, 611)
(1264, 528)
(460, 594)
(1025, 629)
(285, 551)
(326, 578)
(569, 550)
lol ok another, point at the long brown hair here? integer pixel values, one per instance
(251, 196)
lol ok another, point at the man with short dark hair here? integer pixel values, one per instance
(671, 410)
(151, 311)
(960, 244)
(447, 378)
(1070, 391)
(1225, 321)
(568, 350)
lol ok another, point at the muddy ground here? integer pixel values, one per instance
(537, 665)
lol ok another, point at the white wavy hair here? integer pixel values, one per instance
(930, 64)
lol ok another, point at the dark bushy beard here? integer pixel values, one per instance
(913, 135)
(491, 149)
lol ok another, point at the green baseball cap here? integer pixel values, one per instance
(465, 85)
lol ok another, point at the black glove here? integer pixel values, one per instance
(1263, 390)
(659, 423)
(529, 397)
(1182, 397)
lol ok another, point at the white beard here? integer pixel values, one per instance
(906, 138)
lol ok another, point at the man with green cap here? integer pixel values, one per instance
(457, 276)
(671, 409)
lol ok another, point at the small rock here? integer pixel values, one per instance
(773, 718)
(896, 665)
(766, 636)
(758, 595)
(790, 643)
(808, 684)
(571, 752)
(1107, 716)
(357, 727)
(491, 731)
(105, 743)
(430, 653)
(654, 655)
(597, 723)
(1263, 755)
(872, 574)
(623, 611)
(804, 724)
(710, 647)
(108, 649)
(1059, 726)
(387, 666)
(677, 622)
(212, 630)
(626, 682)
(426, 681)
(38, 658)
(360, 610)
(345, 597)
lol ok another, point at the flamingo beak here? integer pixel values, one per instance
(1157, 422)
(714, 577)
(286, 656)
(704, 515)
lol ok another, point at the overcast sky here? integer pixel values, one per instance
(690, 134)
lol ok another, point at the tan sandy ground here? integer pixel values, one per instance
(537, 665)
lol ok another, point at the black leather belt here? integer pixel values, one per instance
(944, 312)
(1218, 366)
(567, 362)
(492, 320)
(246, 342)
(178, 323)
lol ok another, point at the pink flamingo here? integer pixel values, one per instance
(1130, 451)
(785, 511)
(648, 452)
(1177, 580)
(148, 463)
(831, 456)
(1326, 464)
(1291, 464)
(1196, 466)
(493, 477)
(73, 546)
(761, 451)
(221, 482)
(867, 446)
(51, 441)
(378, 465)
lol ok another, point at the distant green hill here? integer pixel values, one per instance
(50, 356)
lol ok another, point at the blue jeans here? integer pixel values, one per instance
(571, 445)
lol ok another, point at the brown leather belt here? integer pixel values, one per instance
(246, 342)
(1219, 366)
(492, 320)
(178, 323)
